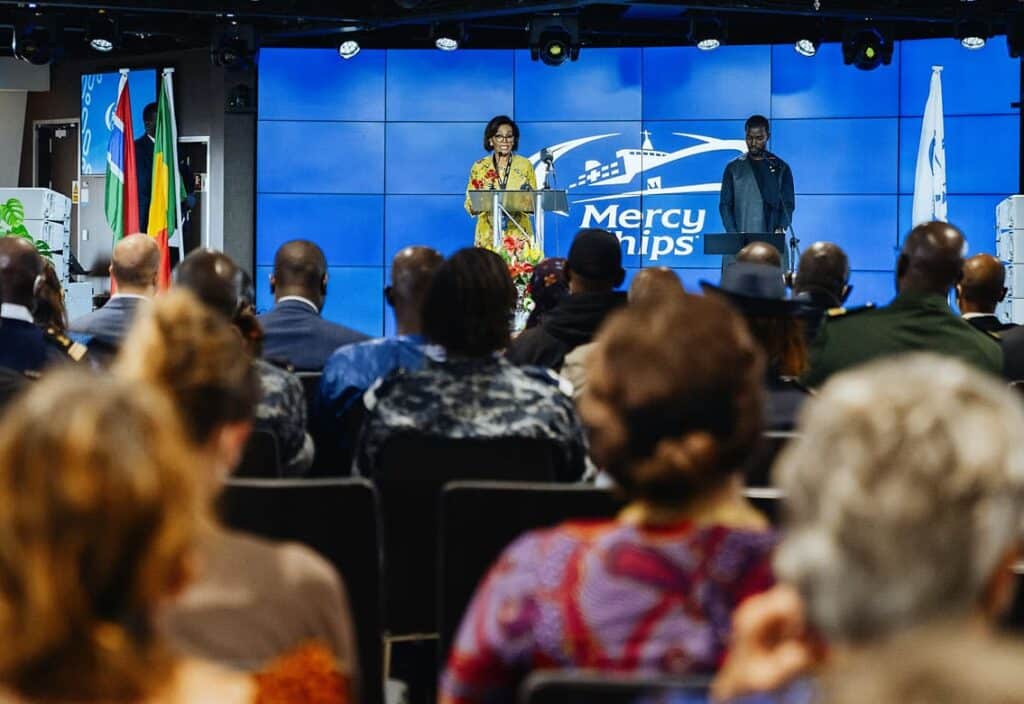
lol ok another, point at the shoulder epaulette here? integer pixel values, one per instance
(841, 311)
(74, 350)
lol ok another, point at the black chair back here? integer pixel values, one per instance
(758, 469)
(410, 473)
(479, 519)
(261, 458)
(339, 518)
(585, 687)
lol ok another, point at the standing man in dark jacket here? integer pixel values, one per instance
(593, 270)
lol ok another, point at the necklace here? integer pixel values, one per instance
(502, 179)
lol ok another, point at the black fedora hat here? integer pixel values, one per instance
(757, 289)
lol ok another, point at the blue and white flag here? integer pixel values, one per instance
(930, 181)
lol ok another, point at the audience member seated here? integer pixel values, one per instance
(252, 600)
(474, 392)
(352, 369)
(294, 330)
(547, 289)
(980, 289)
(904, 499)
(673, 406)
(50, 313)
(101, 525)
(133, 272)
(219, 283)
(760, 253)
(822, 284)
(593, 271)
(757, 291)
(650, 285)
(24, 347)
(918, 319)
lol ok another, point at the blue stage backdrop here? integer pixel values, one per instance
(369, 155)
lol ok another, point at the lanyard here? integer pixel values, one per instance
(502, 181)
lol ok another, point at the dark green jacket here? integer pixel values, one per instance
(913, 322)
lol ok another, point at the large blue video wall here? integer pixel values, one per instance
(369, 155)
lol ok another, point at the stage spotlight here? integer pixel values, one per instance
(866, 48)
(554, 38)
(34, 42)
(972, 34)
(234, 48)
(101, 33)
(706, 33)
(348, 49)
(449, 36)
(806, 47)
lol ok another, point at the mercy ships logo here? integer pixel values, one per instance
(645, 173)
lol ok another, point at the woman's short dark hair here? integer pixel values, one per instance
(469, 304)
(492, 129)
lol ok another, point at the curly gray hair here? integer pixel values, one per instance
(903, 494)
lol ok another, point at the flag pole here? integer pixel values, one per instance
(179, 186)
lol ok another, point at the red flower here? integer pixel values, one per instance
(510, 243)
(492, 175)
(527, 268)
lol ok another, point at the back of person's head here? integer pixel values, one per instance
(412, 270)
(653, 284)
(20, 265)
(760, 253)
(300, 269)
(904, 495)
(931, 259)
(213, 278)
(594, 264)
(981, 287)
(134, 264)
(50, 312)
(195, 355)
(469, 304)
(673, 398)
(100, 516)
(824, 269)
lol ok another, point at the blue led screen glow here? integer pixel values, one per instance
(99, 101)
(370, 155)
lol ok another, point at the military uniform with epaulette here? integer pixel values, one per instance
(913, 322)
(62, 348)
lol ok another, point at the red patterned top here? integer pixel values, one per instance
(606, 595)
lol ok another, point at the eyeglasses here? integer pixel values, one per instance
(504, 137)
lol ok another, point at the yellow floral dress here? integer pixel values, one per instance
(484, 176)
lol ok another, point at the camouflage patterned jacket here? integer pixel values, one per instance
(282, 412)
(470, 398)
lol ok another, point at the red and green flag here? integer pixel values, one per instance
(121, 198)
(165, 204)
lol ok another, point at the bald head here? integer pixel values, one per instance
(213, 277)
(760, 253)
(134, 265)
(982, 285)
(824, 269)
(300, 269)
(931, 259)
(20, 264)
(655, 283)
(412, 270)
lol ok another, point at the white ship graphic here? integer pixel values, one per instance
(629, 163)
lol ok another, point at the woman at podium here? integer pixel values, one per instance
(504, 170)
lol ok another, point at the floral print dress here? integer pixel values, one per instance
(485, 176)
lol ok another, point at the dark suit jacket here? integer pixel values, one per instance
(1012, 342)
(295, 332)
(110, 323)
(990, 323)
(23, 346)
(144, 177)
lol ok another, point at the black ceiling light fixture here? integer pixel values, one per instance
(449, 36)
(233, 47)
(867, 47)
(34, 40)
(101, 32)
(973, 33)
(554, 38)
(706, 32)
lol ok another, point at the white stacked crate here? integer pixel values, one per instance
(1010, 249)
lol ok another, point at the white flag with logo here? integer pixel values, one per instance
(930, 181)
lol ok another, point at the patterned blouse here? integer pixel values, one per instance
(606, 595)
(484, 176)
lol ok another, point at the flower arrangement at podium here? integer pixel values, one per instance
(521, 257)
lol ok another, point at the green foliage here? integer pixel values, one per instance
(12, 215)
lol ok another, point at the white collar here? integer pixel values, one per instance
(12, 311)
(968, 316)
(305, 300)
(130, 295)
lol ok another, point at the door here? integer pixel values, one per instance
(56, 167)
